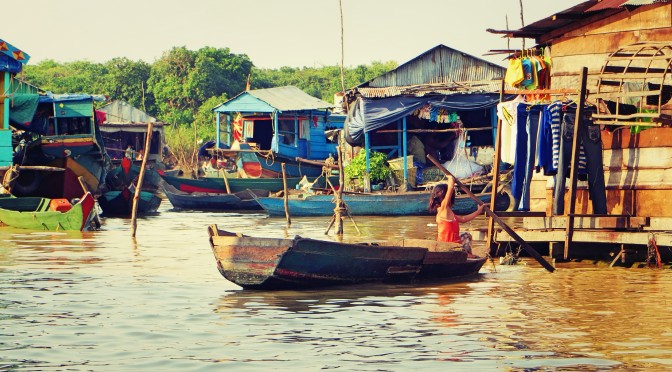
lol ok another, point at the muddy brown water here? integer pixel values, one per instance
(100, 301)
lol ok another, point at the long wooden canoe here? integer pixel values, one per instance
(213, 201)
(217, 185)
(384, 204)
(271, 263)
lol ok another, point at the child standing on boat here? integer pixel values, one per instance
(448, 223)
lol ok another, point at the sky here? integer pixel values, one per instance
(272, 33)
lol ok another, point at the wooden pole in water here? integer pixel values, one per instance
(495, 174)
(285, 195)
(574, 168)
(340, 205)
(531, 251)
(141, 176)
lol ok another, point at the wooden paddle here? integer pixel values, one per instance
(528, 248)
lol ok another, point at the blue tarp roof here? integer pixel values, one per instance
(287, 98)
(370, 114)
(8, 64)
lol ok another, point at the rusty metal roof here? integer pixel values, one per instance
(440, 70)
(593, 9)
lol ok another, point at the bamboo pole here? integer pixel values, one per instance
(285, 195)
(531, 251)
(340, 205)
(141, 176)
(495, 174)
(574, 168)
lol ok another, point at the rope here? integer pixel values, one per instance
(9, 177)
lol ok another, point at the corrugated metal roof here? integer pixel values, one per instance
(120, 112)
(644, 2)
(439, 65)
(594, 9)
(606, 4)
(287, 98)
(489, 86)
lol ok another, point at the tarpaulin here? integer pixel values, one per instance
(22, 109)
(366, 114)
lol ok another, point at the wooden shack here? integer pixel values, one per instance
(625, 47)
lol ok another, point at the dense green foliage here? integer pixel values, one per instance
(378, 166)
(183, 86)
(176, 87)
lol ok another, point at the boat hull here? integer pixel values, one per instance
(35, 213)
(120, 203)
(217, 184)
(270, 263)
(212, 201)
(400, 204)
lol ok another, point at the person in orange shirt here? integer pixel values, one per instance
(448, 223)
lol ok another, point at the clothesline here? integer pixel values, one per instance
(433, 130)
(542, 91)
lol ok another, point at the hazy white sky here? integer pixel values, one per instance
(273, 33)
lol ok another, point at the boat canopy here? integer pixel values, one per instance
(24, 106)
(370, 114)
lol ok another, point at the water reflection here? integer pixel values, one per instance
(104, 301)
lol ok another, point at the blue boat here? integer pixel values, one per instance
(271, 263)
(384, 204)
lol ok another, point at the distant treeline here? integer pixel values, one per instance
(184, 85)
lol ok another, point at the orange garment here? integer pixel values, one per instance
(449, 231)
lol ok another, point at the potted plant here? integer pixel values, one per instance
(378, 171)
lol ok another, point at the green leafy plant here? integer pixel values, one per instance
(378, 166)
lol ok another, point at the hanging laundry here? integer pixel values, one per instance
(514, 73)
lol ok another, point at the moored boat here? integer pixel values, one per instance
(383, 204)
(120, 203)
(242, 200)
(272, 263)
(218, 184)
(47, 214)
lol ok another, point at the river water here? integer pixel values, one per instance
(100, 301)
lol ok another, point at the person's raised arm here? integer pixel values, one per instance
(449, 192)
(468, 217)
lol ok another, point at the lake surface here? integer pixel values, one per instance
(101, 301)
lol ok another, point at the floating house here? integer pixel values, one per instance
(123, 125)
(282, 123)
(442, 95)
(617, 57)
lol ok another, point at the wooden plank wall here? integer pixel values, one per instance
(591, 44)
(637, 172)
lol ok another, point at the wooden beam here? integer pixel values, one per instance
(574, 164)
(663, 238)
(586, 222)
(495, 172)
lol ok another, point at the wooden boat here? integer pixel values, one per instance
(217, 184)
(384, 204)
(47, 214)
(120, 203)
(213, 201)
(271, 263)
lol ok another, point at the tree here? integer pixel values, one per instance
(126, 80)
